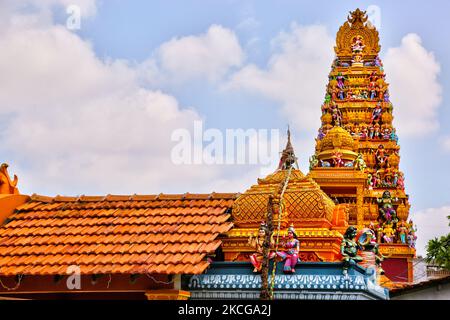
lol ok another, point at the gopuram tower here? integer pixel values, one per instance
(356, 160)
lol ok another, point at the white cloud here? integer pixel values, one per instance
(72, 123)
(295, 76)
(414, 87)
(445, 142)
(209, 55)
(431, 223)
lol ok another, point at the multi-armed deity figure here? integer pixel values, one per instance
(349, 249)
(387, 212)
(257, 243)
(292, 248)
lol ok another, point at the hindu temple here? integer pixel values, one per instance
(339, 232)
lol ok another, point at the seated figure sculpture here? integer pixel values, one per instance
(349, 249)
(257, 243)
(290, 255)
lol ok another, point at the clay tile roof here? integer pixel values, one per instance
(165, 233)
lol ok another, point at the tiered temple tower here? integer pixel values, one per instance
(356, 160)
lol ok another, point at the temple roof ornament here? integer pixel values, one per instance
(288, 157)
(356, 27)
(7, 186)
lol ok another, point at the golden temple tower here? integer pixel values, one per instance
(356, 160)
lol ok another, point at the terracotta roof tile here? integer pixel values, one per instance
(167, 234)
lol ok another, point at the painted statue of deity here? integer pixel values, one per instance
(376, 113)
(388, 233)
(370, 253)
(401, 181)
(402, 229)
(336, 115)
(340, 80)
(394, 136)
(349, 249)
(360, 163)
(386, 134)
(313, 162)
(337, 159)
(386, 96)
(364, 133)
(411, 237)
(386, 207)
(370, 181)
(321, 134)
(257, 243)
(377, 132)
(292, 248)
(381, 158)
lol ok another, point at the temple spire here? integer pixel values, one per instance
(288, 158)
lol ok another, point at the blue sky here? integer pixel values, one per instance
(133, 30)
(78, 129)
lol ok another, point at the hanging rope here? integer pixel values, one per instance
(280, 215)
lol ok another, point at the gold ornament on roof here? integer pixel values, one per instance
(357, 27)
(338, 138)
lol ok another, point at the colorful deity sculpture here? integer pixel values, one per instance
(377, 132)
(388, 233)
(394, 136)
(411, 237)
(360, 163)
(381, 158)
(370, 252)
(371, 131)
(292, 248)
(257, 243)
(313, 162)
(340, 80)
(386, 208)
(336, 115)
(321, 134)
(401, 181)
(402, 229)
(337, 159)
(324, 164)
(349, 249)
(364, 133)
(386, 96)
(376, 113)
(386, 135)
(370, 181)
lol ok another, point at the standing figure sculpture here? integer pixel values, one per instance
(376, 113)
(349, 249)
(290, 255)
(402, 230)
(340, 80)
(386, 209)
(411, 234)
(257, 243)
(360, 163)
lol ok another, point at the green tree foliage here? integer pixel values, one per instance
(438, 251)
